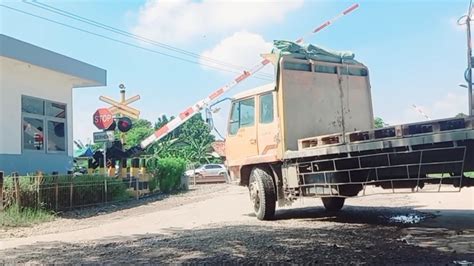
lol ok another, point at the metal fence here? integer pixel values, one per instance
(67, 192)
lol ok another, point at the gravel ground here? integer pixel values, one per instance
(215, 224)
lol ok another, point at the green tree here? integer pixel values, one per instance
(141, 128)
(461, 115)
(196, 134)
(379, 123)
(191, 141)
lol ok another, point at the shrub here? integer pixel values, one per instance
(168, 172)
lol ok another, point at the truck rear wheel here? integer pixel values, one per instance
(333, 204)
(262, 194)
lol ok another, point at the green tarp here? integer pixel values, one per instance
(310, 51)
(83, 152)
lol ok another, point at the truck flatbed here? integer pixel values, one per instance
(406, 156)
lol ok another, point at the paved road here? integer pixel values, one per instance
(215, 224)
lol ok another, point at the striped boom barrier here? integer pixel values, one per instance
(191, 110)
(329, 22)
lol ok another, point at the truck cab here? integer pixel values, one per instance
(309, 98)
(253, 128)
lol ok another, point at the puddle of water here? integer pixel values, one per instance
(407, 219)
(462, 262)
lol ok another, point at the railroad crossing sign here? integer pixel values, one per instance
(121, 108)
(102, 118)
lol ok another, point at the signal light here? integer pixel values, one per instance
(124, 124)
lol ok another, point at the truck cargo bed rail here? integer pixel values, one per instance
(397, 158)
(399, 131)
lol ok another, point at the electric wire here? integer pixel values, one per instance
(135, 36)
(123, 42)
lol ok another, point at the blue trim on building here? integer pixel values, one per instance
(22, 51)
(32, 162)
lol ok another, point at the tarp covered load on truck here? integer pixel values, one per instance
(310, 51)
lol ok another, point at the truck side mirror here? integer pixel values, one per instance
(209, 119)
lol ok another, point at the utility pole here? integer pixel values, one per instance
(122, 100)
(469, 58)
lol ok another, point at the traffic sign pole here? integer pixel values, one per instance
(105, 158)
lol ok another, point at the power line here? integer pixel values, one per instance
(134, 36)
(128, 34)
(119, 41)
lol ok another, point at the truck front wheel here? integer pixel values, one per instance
(262, 194)
(333, 204)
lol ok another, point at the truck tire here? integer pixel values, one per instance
(262, 194)
(333, 204)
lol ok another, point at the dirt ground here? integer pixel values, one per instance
(215, 224)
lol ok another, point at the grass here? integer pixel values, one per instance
(15, 216)
(470, 174)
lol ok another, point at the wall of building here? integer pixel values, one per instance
(16, 79)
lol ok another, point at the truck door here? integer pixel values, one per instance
(241, 141)
(267, 124)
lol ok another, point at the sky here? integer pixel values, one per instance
(415, 51)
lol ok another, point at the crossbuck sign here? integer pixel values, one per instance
(121, 108)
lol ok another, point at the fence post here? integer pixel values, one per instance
(137, 182)
(105, 189)
(16, 181)
(1, 191)
(123, 170)
(134, 170)
(56, 190)
(38, 181)
(111, 169)
(101, 166)
(143, 167)
(71, 192)
(90, 169)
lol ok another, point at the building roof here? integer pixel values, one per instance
(219, 147)
(31, 54)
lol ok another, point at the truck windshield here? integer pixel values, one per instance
(243, 115)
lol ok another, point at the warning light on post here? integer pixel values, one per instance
(124, 124)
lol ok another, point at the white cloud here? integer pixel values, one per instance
(242, 49)
(448, 106)
(181, 20)
(451, 105)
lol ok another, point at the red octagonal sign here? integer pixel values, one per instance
(102, 118)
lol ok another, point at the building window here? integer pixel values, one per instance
(33, 134)
(56, 136)
(266, 108)
(44, 125)
(32, 106)
(243, 115)
(55, 109)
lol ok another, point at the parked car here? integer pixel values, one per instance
(207, 170)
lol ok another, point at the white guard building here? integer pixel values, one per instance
(36, 106)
